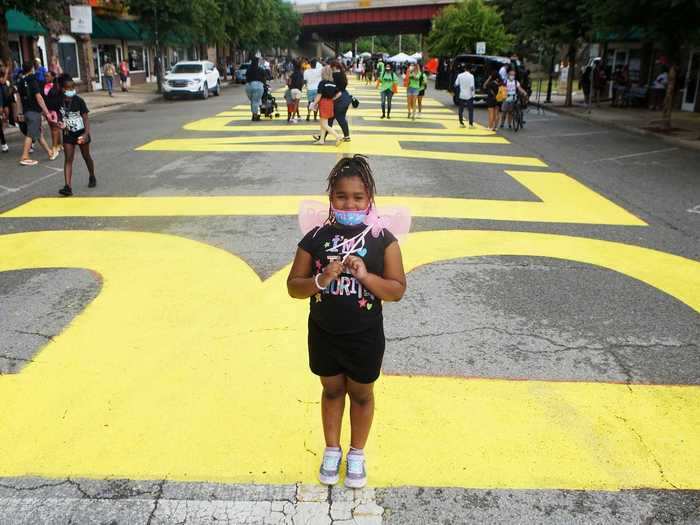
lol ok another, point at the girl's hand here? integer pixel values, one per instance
(61, 125)
(356, 266)
(330, 273)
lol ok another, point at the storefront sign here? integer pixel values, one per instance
(81, 19)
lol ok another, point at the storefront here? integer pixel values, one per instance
(691, 100)
(25, 37)
(116, 39)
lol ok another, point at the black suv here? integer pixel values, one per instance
(480, 66)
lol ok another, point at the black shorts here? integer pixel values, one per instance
(421, 93)
(72, 138)
(357, 355)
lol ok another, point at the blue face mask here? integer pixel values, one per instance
(350, 217)
(70, 93)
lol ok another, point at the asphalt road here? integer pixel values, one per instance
(543, 366)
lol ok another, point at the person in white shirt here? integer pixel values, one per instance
(503, 73)
(658, 90)
(513, 89)
(465, 83)
(312, 77)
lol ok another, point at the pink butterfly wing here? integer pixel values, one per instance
(396, 219)
(312, 214)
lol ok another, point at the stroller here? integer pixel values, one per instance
(268, 103)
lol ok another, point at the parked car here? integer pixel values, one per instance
(480, 66)
(240, 73)
(197, 78)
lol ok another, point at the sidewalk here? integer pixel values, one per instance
(685, 125)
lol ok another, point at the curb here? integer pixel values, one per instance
(571, 112)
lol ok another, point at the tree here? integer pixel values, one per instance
(565, 22)
(457, 29)
(669, 24)
(42, 10)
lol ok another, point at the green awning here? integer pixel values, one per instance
(633, 35)
(18, 22)
(115, 28)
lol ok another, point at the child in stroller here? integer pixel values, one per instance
(268, 103)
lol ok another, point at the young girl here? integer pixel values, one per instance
(347, 272)
(52, 98)
(76, 130)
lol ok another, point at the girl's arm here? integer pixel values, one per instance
(389, 287)
(86, 120)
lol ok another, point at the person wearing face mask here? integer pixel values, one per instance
(513, 89)
(76, 131)
(388, 85)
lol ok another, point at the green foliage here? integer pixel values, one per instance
(459, 27)
(44, 11)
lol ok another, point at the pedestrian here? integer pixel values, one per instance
(5, 105)
(388, 85)
(415, 79)
(30, 108)
(342, 103)
(658, 89)
(585, 84)
(465, 84)
(325, 101)
(108, 72)
(39, 71)
(503, 72)
(346, 272)
(124, 75)
(255, 78)
(312, 78)
(296, 84)
(53, 96)
(424, 86)
(76, 131)
(491, 86)
(513, 90)
(55, 67)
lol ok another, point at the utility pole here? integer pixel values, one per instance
(548, 100)
(157, 42)
(373, 44)
(399, 43)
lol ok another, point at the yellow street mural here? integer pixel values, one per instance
(177, 369)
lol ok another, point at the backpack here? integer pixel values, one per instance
(502, 94)
(23, 90)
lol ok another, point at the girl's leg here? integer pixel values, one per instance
(420, 104)
(389, 96)
(332, 407)
(325, 127)
(411, 101)
(361, 412)
(85, 152)
(69, 153)
(383, 99)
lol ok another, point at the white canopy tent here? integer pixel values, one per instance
(417, 56)
(366, 54)
(348, 54)
(402, 58)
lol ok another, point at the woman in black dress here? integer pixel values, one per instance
(491, 86)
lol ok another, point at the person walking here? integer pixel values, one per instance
(255, 82)
(124, 75)
(108, 73)
(296, 84)
(53, 95)
(76, 131)
(465, 83)
(5, 105)
(424, 86)
(55, 67)
(39, 71)
(388, 85)
(342, 103)
(415, 79)
(325, 102)
(491, 85)
(312, 78)
(30, 108)
(513, 90)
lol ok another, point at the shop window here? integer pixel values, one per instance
(136, 61)
(14, 52)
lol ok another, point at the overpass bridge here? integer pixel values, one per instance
(348, 19)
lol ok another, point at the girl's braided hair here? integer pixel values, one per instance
(355, 166)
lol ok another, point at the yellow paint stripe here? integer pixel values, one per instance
(371, 145)
(563, 200)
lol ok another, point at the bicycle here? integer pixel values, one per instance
(518, 119)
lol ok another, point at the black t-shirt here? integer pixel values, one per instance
(72, 115)
(341, 81)
(296, 81)
(327, 89)
(345, 306)
(53, 98)
(28, 87)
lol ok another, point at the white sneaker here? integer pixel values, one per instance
(356, 474)
(5, 148)
(329, 473)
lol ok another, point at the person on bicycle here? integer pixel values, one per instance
(513, 89)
